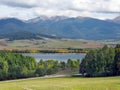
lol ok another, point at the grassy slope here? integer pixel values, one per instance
(108, 83)
(54, 44)
(49, 44)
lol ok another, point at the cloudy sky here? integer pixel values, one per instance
(26, 9)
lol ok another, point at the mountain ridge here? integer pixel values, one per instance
(62, 27)
(116, 20)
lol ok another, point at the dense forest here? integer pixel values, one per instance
(14, 66)
(101, 62)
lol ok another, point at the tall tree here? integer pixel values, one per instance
(117, 60)
(98, 62)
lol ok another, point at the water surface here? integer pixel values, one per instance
(56, 56)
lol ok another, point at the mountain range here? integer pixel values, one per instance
(60, 27)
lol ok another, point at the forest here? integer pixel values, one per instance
(101, 62)
(15, 66)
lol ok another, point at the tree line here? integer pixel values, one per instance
(53, 66)
(101, 62)
(62, 50)
(14, 66)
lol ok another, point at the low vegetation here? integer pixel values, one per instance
(66, 50)
(52, 67)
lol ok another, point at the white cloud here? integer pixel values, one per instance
(32, 8)
(19, 3)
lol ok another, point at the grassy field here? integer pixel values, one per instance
(107, 83)
(52, 44)
(49, 44)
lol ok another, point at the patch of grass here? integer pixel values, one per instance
(106, 83)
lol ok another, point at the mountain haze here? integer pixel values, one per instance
(60, 27)
(116, 20)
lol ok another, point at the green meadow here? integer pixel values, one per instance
(67, 83)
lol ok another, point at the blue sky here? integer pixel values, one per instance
(26, 9)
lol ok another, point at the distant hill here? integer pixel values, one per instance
(116, 20)
(59, 27)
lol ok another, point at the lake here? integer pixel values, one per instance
(56, 56)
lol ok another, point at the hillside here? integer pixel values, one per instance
(60, 27)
